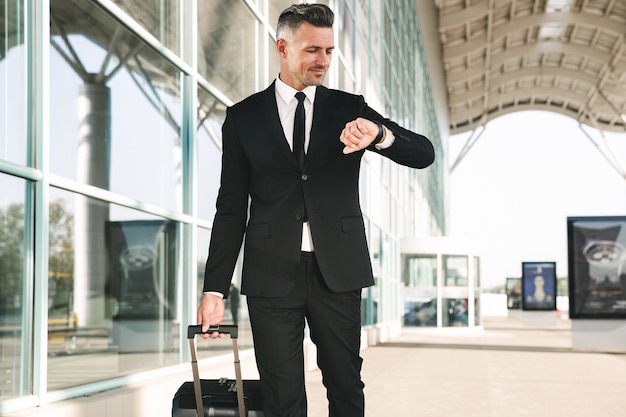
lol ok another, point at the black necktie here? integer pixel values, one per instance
(298, 129)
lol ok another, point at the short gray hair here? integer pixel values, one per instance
(292, 17)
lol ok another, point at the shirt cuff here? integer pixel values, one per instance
(388, 141)
(219, 294)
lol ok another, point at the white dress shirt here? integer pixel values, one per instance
(287, 103)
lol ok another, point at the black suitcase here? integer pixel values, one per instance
(220, 397)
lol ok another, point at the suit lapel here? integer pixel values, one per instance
(321, 113)
(273, 122)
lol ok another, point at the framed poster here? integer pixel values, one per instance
(538, 285)
(513, 293)
(597, 257)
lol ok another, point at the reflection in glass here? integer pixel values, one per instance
(421, 311)
(112, 291)
(203, 238)
(346, 34)
(277, 6)
(211, 114)
(419, 276)
(12, 83)
(227, 47)
(115, 108)
(370, 296)
(273, 64)
(245, 333)
(14, 346)
(160, 18)
(420, 271)
(455, 312)
(455, 270)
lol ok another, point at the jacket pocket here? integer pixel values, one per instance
(258, 231)
(352, 224)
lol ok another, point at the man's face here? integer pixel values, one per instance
(305, 55)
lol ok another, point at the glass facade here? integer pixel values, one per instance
(110, 152)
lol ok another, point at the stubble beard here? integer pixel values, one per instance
(309, 80)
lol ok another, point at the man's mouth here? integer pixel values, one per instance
(319, 70)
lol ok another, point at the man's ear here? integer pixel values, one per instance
(281, 47)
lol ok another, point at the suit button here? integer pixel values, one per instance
(298, 217)
(304, 177)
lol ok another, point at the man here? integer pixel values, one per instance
(305, 251)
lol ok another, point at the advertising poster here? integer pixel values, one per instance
(597, 257)
(538, 285)
(513, 293)
(143, 262)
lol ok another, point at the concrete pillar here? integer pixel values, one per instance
(94, 152)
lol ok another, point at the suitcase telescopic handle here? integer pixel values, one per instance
(230, 329)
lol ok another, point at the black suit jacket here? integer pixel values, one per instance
(259, 168)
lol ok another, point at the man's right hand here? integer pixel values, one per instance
(211, 313)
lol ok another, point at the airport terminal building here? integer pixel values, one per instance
(110, 159)
(110, 145)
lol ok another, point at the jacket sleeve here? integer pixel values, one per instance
(409, 148)
(232, 210)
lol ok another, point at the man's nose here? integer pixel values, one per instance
(324, 59)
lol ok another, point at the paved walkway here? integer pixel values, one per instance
(503, 370)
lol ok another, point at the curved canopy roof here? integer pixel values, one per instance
(499, 56)
(564, 56)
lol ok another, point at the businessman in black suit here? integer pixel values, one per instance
(294, 160)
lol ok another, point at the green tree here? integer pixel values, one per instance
(11, 259)
(61, 259)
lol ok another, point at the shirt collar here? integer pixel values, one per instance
(287, 93)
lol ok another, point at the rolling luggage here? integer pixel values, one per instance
(217, 397)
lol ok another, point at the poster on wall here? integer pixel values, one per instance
(596, 260)
(538, 285)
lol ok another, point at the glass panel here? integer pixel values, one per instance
(273, 60)
(204, 236)
(115, 108)
(345, 27)
(218, 346)
(112, 291)
(455, 312)
(211, 114)
(14, 346)
(370, 300)
(370, 296)
(344, 82)
(419, 275)
(420, 311)
(160, 18)
(227, 47)
(276, 7)
(455, 271)
(420, 271)
(13, 83)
